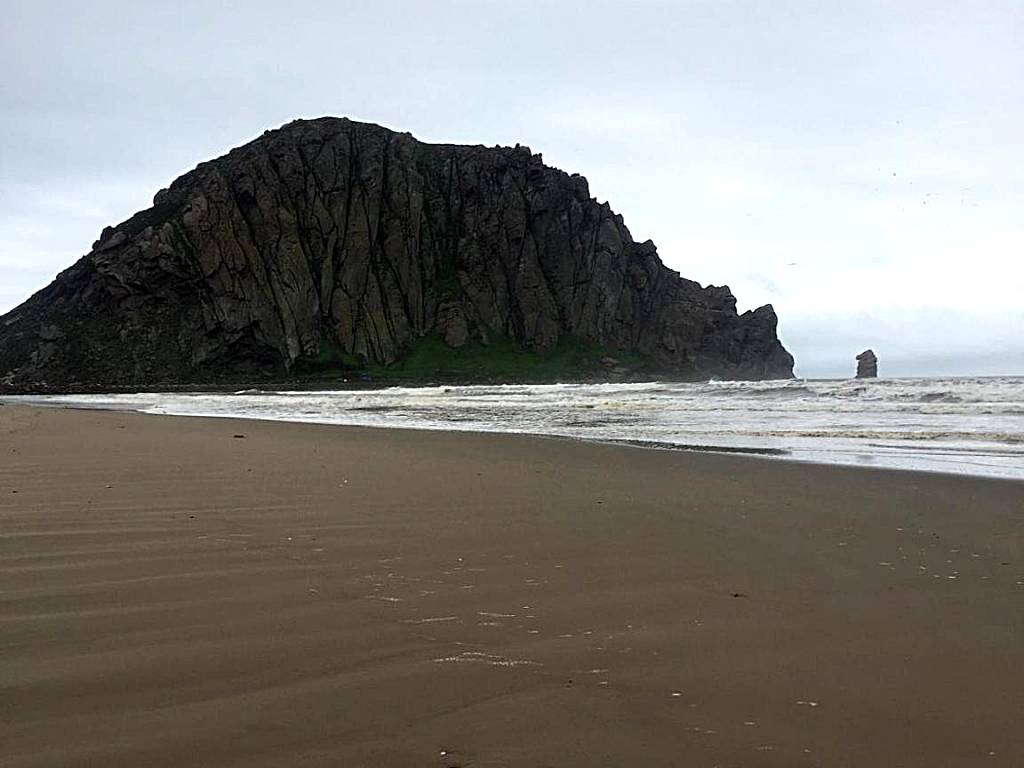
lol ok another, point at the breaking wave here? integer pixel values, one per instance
(963, 425)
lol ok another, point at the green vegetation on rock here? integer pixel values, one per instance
(429, 359)
(332, 361)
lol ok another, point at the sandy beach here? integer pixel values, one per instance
(201, 592)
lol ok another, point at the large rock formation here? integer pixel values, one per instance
(331, 235)
(867, 365)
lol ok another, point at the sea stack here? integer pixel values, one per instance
(867, 365)
(330, 245)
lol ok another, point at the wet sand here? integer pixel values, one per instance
(174, 595)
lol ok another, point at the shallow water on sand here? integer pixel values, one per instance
(963, 425)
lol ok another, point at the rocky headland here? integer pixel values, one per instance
(330, 249)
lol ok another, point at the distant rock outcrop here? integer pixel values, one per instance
(867, 365)
(331, 239)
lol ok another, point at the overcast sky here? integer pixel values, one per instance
(860, 165)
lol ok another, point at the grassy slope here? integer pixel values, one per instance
(501, 359)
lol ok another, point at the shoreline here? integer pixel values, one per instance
(223, 592)
(766, 453)
(355, 384)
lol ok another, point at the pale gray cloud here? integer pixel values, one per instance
(858, 165)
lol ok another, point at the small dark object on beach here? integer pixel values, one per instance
(738, 594)
(239, 437)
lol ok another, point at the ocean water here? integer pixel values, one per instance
(962, 425)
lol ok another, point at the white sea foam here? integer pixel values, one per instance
(961, 425)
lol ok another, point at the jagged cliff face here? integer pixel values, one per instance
(331, 233)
